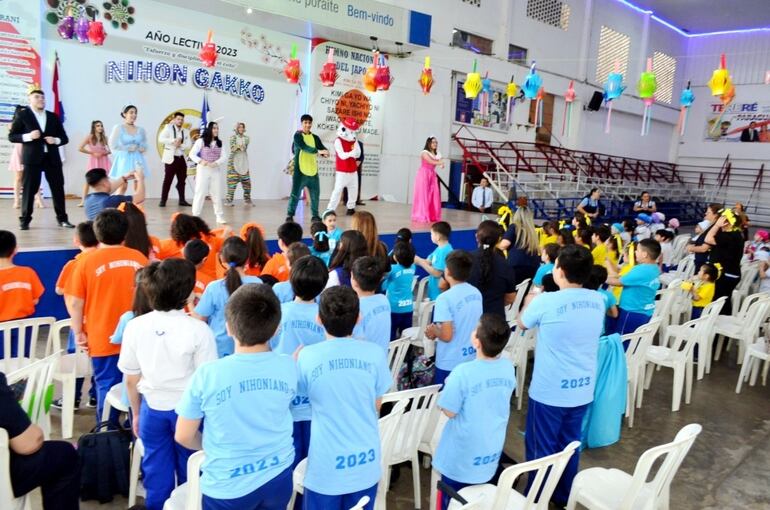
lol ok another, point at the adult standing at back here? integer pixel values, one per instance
(699, 246)
(726, 243)
(175, 139)
(307, 148)
(426, 199)
(41, 134)
(129, 143)
(590, 205)
(521, 242)
(645, 204)
(490, 273)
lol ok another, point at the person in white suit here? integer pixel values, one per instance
(175, 140)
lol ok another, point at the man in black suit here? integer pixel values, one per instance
(41, 133)
(750, 134)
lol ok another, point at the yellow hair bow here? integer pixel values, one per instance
(505, 216)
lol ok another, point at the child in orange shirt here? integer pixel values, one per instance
(289, 232)
(20, 290)
(100, 290)
(254, 235)
(196, 251)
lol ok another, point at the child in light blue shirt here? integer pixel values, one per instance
(548, 257)
(211, 307)
(320, 237)
(398, 288)
(435, 264)
(330, 220)
(344, 379)
(476, 398)
(595, 281)
(640, 284)
(456, 313)
(294, 252)
(374, 326)
(244, 403)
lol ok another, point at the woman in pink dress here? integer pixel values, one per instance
(426, 206)
(98, 150)
(15, 166)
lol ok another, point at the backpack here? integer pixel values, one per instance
(417, 371)
(104, 461)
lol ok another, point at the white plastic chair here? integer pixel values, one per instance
(664, 309)
(679, 356)
(188, 495)
(114, 399)
(411, 429)
(420, 297)
(512, 312)
(416, 334)
(7, 499)
(22, 329)
(749, 275)
(613, 489)
(755, 353)
(71, 366)
(743, 327)
(134, 488)
(685, 269)
(361, 504)
(429, 443)
(636, 360)
(396, 353)
(517, 349)
(679, 248)
(39, 377)
(504, 497)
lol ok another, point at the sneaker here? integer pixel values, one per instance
(229, 203)
(91, 402)
(57, 403)
(350, 212)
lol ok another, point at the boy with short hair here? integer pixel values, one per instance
(160, 352)
(245, 401)
(284, 290)
(457, 311)
(599, 238)
(476, 398)
(398, 288)
(435, 264)
(20, 291)
(569, 324)
(640, 284)
(548, 257)
(197, 251)
(288, 233)
(345, 380)
(365, 278)
(100, 290)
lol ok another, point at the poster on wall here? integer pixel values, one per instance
(150, 59)
(19, 67)
(347, 98)
(739, 122)
(468, 111)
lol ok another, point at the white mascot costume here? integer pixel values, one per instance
(347, 152)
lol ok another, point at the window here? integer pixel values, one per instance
(550, 12)
(664, 67)
(613, 47)
(517, 54)
(470, 42)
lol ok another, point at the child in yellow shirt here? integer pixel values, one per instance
(599, 240)
(702, 291)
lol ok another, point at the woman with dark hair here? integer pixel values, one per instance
(210, 154)
(645, 204)
(426, 199)
(137, 236)
(351, 247)
(129, 143)
(490, 273)
(699, 246)
(590, 205)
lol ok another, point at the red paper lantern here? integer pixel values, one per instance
(329, 74)
(208, 53)
(96, 33)
(426, 77)
(292, 70)
(370, 76)
(382, 78)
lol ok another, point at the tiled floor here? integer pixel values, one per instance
(727, 468)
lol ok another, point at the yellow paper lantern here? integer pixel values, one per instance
(472, 85)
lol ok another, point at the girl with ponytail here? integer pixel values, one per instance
(211, 308)
(491, 274)
(254, 236)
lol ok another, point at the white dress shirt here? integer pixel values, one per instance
(41, 121)
(165, 348)
(482, 197)
(169, 135)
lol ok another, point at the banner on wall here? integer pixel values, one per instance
(347, 98)
(467, 111)
(740, 122)
(19, 65)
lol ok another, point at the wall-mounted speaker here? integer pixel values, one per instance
(596, 101)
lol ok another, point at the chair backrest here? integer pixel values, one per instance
(420, 402)
(419, 296)
(746, 304)
(39, 389)
(194, 463)
(755, 316)
(396, 354)
(545, 485)
(639, 341)
(512, 312)
(702, 326)
(361, 503)
(20, 331)
(749, 273)
(679, 246)
(426, 316)
(388, 426)
(675, 453)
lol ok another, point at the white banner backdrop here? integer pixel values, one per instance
(154, 64)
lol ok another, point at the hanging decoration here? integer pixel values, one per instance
(292, 70)
(486, 92)
(539, 107)
(511, 90)
(569, 99)
(613, 89)
(532, 89)
(66, 27)
(472, 85)
(96, 33)
(647, 86)
(426, 77)
(328, 73)
(720, 81)
(208, 53)
(370, 76)
(81, 29)
(685, 100)
(382, 78)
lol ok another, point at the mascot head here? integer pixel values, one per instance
(347, 129)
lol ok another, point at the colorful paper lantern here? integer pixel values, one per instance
(292, 70)
(472, 85)
(486, 91)
(511, 90)
(382, 78)
(369, 78)
(532, 83)
(686, 98)
(720, 81)
(66, 27)
(613, 89)
(569, 98)
(647, 86)
(208, 53)
(426, 77)
(329, 74)
(96, 33)
(81, 29)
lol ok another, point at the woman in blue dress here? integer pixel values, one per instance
(128, 143)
